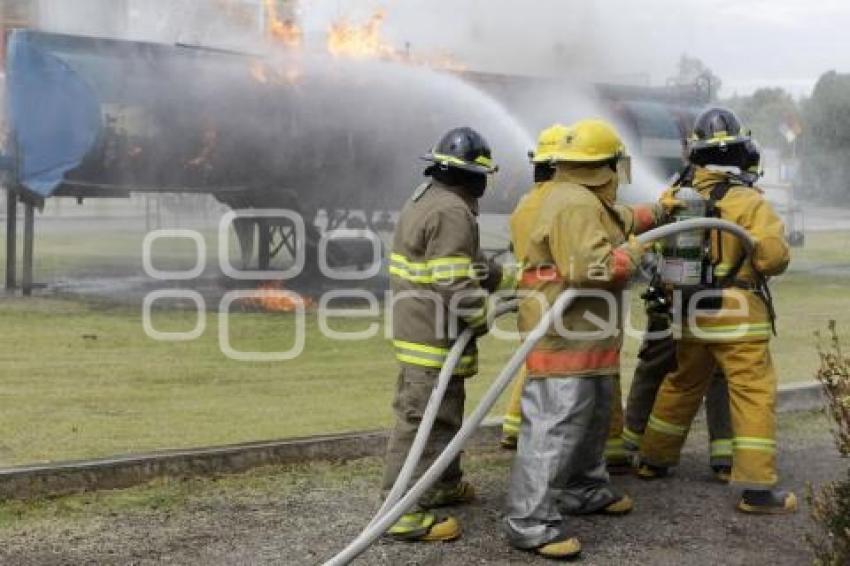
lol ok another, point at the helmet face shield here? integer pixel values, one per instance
(624, 169)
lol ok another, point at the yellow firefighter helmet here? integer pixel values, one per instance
(586, 141)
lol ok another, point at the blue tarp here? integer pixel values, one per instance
(53, 113)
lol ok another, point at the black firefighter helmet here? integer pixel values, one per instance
(464, 149)
(719, 139)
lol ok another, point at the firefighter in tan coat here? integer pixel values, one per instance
(617, 458)
(439, 282)
(567, 234)
(734, 336)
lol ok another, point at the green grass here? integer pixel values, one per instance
(81, 379)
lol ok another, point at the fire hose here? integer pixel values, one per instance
(395, 506)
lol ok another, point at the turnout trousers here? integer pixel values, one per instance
(656, 359)
(413, 390)
(615, 447)
(559, 468)
(752, 397)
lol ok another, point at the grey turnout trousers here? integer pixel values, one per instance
(559, 468)
(413, 390)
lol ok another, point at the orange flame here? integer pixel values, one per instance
(208, 144)
(258, 71)
(366, 42)
(285, 31)
(347, 39)
(272, 297)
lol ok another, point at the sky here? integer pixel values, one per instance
(748, 43)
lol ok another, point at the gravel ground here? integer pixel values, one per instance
(302, 515)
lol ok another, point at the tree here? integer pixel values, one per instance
(692, 71)
(825, 144)
(767, 112)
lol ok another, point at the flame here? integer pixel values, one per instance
(268, 74)
(365, 41)
(282, 30)
(345, 39)
(259, 72)
(208, 144)
(272, 297)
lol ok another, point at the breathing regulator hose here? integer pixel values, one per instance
(392, 510)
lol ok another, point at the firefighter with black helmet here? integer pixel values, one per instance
(439, 282)
(725, 317)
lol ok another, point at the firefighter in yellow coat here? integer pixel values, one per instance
(567, 234)
(543, 172)
(616, 456)
(734, 332)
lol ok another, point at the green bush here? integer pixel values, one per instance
(831, 504)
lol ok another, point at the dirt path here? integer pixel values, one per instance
(299, 516)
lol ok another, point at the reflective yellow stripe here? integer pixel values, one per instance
(432, 357)
(480, 160)
(743, 330)
(632, 438)
(754, 443)
(511, 423)
(615, 447)
(412, 522)
(510, 277)
(484, 160)
(478, 318)
(437, 269)
(405, 274)
(418, 361)
(721, 448)
(420, 354)
(667, 428)
(722, 269)
(420, 347)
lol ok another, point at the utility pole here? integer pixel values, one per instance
(11, 238)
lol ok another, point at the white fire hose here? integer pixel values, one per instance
(395, 506)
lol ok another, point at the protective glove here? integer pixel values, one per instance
(669, 205)
(770, 256)
(635, 249)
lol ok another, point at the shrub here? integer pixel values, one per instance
(831, 504)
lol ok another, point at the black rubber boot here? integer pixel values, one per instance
(767, 502)
(649, 472)
(722, 473)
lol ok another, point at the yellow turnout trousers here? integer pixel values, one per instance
(615, 447)
(752, 397)
(513, 413)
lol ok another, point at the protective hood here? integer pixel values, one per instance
(600, 179)
(707, 179)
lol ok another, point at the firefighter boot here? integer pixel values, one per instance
(622, 506)
(722, 473)
(459, 494)
(508, 441)
(649, 472)
(767, 502)
(566, 549)
(424, 527)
